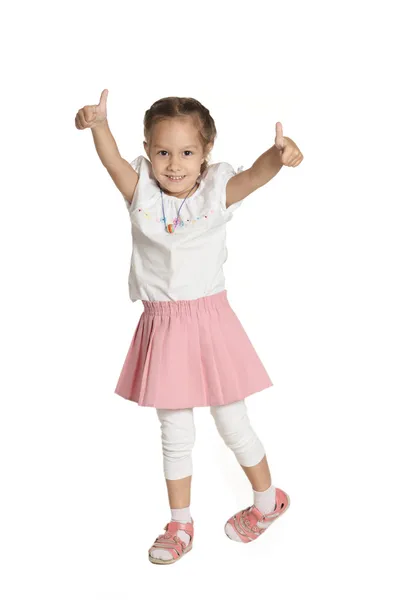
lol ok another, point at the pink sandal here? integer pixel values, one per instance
(170, 541)
(244, 522)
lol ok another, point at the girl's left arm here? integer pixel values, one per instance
(284, 153)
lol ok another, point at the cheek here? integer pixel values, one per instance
(157, 170)
(195, 167)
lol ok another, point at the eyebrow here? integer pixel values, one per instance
(185, 147)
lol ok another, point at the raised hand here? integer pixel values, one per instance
(92, 114)
(290, 155)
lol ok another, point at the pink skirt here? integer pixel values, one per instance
(189, 353)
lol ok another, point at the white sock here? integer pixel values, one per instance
(181, 515)
(265, 502)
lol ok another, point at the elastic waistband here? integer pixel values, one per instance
(175, 307)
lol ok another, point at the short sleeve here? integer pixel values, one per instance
(224, 173)
(137, 165)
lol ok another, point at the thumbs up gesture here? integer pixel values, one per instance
(290, 155)
(92, 114)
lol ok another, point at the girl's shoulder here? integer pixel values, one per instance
(147, 185)
(143, 168)
(216, 178)
(221, 171)
(141, 164)
(217, 175)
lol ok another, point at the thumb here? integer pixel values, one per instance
(279, 135)
(103, 100)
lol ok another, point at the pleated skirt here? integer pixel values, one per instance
(190, 353)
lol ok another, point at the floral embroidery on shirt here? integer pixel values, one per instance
(181, 223)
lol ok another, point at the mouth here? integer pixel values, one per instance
(174, 179)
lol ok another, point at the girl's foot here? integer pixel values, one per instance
(172, 546)
(248, 524)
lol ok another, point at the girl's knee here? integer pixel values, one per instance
(177, 432)
(233, 425)
(230, 417)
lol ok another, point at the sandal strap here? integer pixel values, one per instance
(245, 521)
(175, 548)
(244, 528)
(170, 540)
(174, 526)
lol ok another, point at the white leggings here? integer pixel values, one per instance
(178, 436)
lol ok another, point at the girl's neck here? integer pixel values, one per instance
(183, 195)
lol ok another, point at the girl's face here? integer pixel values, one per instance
(175, 150)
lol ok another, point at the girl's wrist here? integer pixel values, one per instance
(102, 123)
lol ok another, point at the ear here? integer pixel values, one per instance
(146, 148)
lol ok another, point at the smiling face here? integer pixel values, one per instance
(176, 154)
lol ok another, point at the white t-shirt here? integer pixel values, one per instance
(188, 263)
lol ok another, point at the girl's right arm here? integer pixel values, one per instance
(121, 172)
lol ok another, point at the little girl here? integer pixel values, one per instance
(189, 348)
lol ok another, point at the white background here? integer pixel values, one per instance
(312, 274)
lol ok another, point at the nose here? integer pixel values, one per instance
(174, 166)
